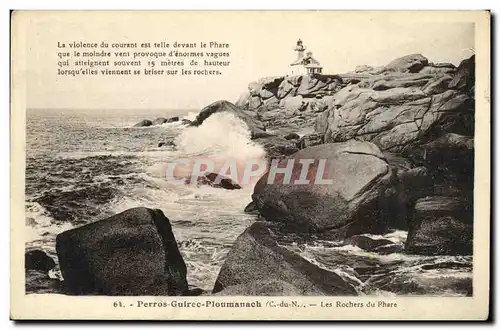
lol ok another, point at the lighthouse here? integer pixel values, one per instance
(299, 48)
(304, 64)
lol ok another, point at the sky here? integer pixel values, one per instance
(261, 44)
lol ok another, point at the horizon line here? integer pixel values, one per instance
(113, 108)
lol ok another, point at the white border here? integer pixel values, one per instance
(256, 4)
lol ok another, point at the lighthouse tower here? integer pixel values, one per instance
(304, 64)
(299, 48)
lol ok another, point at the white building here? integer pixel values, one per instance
(304, 64)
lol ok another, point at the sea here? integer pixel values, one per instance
(86, 165)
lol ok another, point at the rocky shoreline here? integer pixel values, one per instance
(399, 140)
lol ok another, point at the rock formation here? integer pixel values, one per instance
(131, 253)
(420, 115)
(399, 111)
(291, 101)
(441, 225)
(361, 181)
(256, 259)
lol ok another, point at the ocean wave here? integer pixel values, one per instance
(41, 227)
(221, 134)
(191, 115)
(396, 273)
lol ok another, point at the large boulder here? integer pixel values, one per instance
(256, 127)
(131, 253)
(351, 204)
(257, 258)
(441, 225)
(412, 63)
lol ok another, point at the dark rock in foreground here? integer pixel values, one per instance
(131, 253)
(257, 258)
(441, 226)
(350, 205)
(144, 123)
(215, 180)
(38, 260)
(173, 119)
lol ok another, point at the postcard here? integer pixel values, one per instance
(250, 165)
